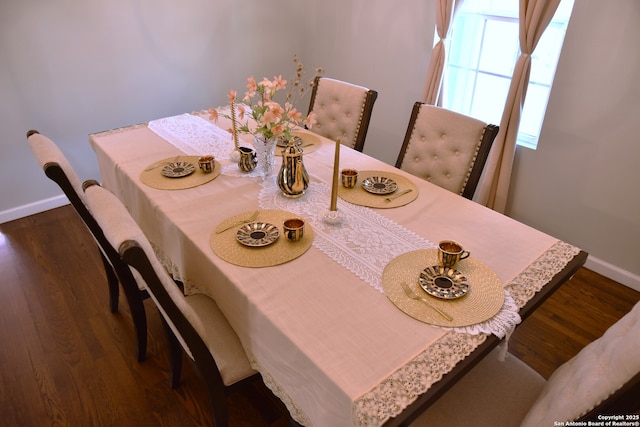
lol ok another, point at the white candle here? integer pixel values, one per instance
(334, 186)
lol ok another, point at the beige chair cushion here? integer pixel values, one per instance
(338, 106)
(439, 148)
(221, 339)
(46, 151)
(200, 310)
(583, 382)
(493, 393)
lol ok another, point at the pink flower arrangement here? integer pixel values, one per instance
(270, 119)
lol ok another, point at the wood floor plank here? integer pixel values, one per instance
(67, 360)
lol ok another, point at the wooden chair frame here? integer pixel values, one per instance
(115, 270)
(626, 400)
(132, 256)
(205, 364)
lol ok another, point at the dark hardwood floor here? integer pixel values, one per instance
(66, 360)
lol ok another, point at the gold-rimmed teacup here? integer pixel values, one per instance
(450, 253)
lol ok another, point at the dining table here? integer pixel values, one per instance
(325, 320)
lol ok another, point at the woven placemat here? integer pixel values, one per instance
(153, 177)
(484, 299)
(310, 142)
(227, 247)
(359, 196)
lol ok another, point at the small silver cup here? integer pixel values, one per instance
(293, 229)
(206, 163)
(349, 177)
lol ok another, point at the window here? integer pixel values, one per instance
(482, 52)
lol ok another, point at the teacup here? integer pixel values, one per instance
(206, 163)
(450, 253)
(293, 229)
(349, 177)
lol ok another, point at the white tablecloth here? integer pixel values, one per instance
(330, 345)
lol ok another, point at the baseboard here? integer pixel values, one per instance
(33, 208)
(614, 273)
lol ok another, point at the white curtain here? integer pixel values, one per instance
(493, 189)
(444, 15)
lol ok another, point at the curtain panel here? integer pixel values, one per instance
(493, 189)
(444, 16)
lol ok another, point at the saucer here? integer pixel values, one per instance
(379, 185)
(178, 169)
(443, 282)
(257, 234)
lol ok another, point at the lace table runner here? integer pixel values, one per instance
(365, 242)
(196, 136)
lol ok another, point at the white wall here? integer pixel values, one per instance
(581, 184)
(382, 45)
(71, 68)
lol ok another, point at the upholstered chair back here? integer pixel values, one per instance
(446, 148)
(47, 154)
(603, 378)
(343, 110)
(595, 374)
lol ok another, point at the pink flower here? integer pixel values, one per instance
(279, 83)
(251, 85)
(213, 114)
(293, 114)
(231, 96)
(310, 120)
(275, 107)
(269, 117)
(278, 129)
(241, 111)
(267, 84)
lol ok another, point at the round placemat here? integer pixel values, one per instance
(310, 141)
(152, 175)
(359, 196)
(483, 301)
(227, 247)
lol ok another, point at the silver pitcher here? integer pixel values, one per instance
(293, 178)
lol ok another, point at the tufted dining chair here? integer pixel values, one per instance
(57, 168)
(343, 110)
(193, 323)
(603, 378)
(446, 148)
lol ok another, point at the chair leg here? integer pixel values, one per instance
(112, 282)
(175, 355)
(293, 423)
(136, 307)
